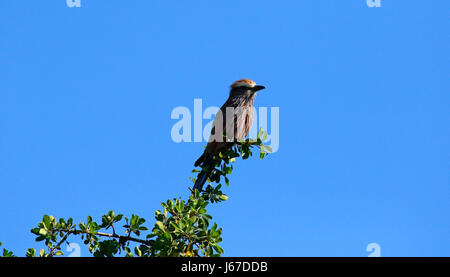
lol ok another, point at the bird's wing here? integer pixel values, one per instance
(243, 122)
(216, 140)
(233, 121)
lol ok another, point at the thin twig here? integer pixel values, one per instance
(146, 242)
(52, 251)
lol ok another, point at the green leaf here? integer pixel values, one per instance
(223, 197)
(160, 225)
(7, 253)
(42, 232)
(46, 221)
(31, 252)
(137, 251)
(35, 230)
(107, 248)
(59, 253)
(260, 133)
(264, 136)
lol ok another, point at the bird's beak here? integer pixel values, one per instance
(257, 88)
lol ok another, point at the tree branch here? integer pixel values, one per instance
(146, 242)
(58, 246)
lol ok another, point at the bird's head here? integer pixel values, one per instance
(245, 87)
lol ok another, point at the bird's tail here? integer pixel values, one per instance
(208, 166)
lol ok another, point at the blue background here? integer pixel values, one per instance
(86, 96)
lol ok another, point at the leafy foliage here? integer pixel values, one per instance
(182, 228)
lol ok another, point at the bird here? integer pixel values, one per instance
(232, 123)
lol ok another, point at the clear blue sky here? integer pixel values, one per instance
(364, 94)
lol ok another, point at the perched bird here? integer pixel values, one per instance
(231, 123)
